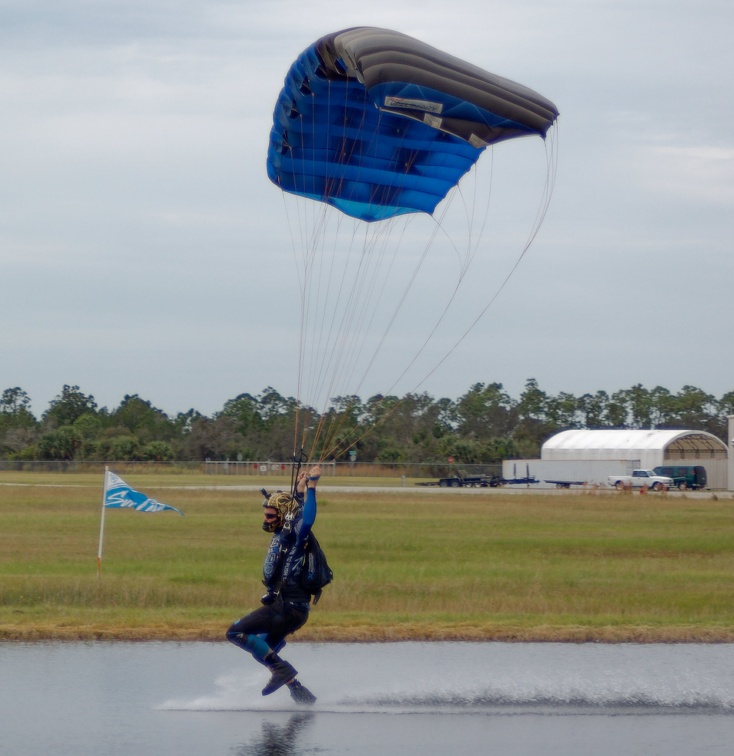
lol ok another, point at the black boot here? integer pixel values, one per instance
(281, 673)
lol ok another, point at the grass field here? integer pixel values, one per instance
(571, 567)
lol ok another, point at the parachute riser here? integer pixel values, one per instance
(298, 461)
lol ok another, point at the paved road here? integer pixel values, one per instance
(541, 489)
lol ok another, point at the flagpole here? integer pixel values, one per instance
(101, 526)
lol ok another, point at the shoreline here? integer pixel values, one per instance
(397, 634)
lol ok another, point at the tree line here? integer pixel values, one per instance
(483, 426)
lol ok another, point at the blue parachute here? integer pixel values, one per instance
(379, 124)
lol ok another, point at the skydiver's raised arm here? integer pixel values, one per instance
(310, 481)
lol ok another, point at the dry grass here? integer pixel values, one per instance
(572, 567)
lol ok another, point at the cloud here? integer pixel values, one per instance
(137, 226)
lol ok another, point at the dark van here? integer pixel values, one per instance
(684, 476)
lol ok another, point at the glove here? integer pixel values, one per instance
(268, 598)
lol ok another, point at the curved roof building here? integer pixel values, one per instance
(648, 447)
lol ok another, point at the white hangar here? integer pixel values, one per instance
(591, 455)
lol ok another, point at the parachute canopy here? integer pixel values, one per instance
(379, 124)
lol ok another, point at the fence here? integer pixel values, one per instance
(257, 468)
(354, 469)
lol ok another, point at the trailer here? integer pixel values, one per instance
(528, 480)
(568, 473)
(472, 481)
(565, 483)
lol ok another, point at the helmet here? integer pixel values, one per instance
(284, 504)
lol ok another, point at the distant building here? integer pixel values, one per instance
(591, 455)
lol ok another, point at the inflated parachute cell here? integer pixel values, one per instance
(379, 124)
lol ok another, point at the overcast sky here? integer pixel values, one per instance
(142, 246)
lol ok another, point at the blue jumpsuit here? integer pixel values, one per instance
(265, 629)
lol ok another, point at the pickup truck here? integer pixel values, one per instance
(640, 478)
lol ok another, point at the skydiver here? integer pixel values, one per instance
(285, 604)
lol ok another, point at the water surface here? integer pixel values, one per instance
(406, 698)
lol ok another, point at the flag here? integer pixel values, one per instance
(118, 495)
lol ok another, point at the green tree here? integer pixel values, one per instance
(279, 414)
(725, 405)
(593, 409)
(245, 411)
(465, 451)
(562, 411)
(60, 443)
(15, 403)
(123, 449)
(390, 453)
(639, 406)
(157, 451)
(68, 406)
(142, 419)
(693, 408)
(215, 439)
(89, 426)
(719, 425)
(533, 403)
(617, 410)
(18, 426)
(486, 411)
(413, 425)
(532, 426)
(271, 404)
(185, 420)
(662, 407)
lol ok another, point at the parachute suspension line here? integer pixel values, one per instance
(323, 335)
(357, 434)
(551, 159)
(551, 166)
(321, 329)
(313, 274)
(347, 337)
(351, 290)
(341, 345)
(465, 258)
(307, 246)
(370, 305)
(374, 247)
(366, 290)
(475, 239)
(330, 295)
(398, 306)
(314, 279)
(316, 332)
(310, 278)
(299, 364)
(464, 262)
